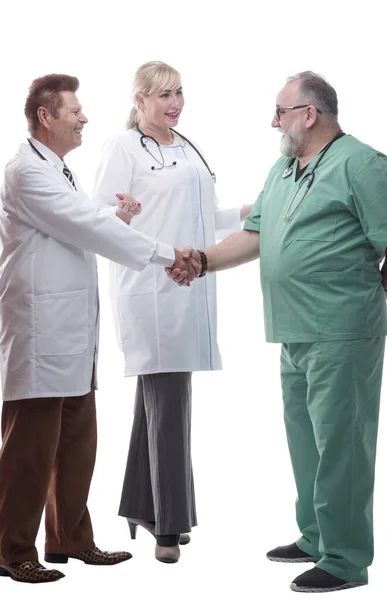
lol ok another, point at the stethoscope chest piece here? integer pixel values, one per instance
(288, 171)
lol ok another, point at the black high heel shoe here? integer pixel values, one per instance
(134, 523)
(132, 529)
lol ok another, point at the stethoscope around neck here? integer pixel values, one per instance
(306, 180)
(160, 161)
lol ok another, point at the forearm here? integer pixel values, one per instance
(237, 249)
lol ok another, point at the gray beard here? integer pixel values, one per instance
(291, 142)
(287, 146)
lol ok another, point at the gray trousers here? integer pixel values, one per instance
(158, 484)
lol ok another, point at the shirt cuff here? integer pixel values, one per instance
(164, 255)
(251, 225)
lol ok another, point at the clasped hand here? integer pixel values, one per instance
(186, 268)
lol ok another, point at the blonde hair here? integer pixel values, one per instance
(152, 77)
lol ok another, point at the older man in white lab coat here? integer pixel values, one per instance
(49, 233)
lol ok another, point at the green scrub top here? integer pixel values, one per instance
(320, 268)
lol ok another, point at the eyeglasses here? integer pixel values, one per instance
(280, 108)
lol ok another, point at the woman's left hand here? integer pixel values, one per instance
(128, 207)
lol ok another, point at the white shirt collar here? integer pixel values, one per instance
(47, 153)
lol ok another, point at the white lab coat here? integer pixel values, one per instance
(162, 327)
(49, 233)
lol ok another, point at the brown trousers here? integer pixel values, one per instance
(46, 460)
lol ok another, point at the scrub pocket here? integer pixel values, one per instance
(318, 214)
(61, 323)
(340, 306)
(315, 222)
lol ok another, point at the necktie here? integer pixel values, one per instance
(69, 175)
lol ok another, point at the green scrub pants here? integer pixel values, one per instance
(331, 393)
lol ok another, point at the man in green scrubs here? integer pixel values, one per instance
(320, 227)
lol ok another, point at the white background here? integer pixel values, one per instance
(234, 58)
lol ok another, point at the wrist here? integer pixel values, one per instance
(204, 263)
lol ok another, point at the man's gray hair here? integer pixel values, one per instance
(316, 90)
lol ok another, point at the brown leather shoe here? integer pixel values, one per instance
(94, 556)
(30, 572)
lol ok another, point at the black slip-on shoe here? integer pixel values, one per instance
(289, 554)
(317, 580)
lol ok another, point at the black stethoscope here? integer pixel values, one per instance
(160, 161)
(36, 150)
(308, 178)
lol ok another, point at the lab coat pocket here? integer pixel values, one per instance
(340, 305)
(61, 323)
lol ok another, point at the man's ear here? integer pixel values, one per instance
(311, 116)
(44, 116)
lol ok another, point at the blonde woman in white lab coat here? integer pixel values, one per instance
(164, 331)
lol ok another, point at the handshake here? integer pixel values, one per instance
(188, 263)
(187, 266)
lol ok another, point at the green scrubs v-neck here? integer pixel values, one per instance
(320, 268)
